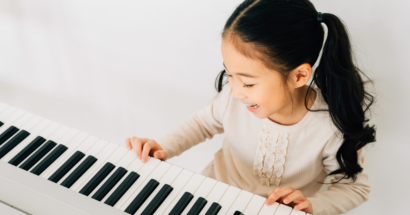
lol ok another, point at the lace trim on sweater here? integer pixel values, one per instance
(270, 156)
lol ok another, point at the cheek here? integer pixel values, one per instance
(272, 99)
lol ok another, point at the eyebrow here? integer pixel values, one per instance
(242, 74)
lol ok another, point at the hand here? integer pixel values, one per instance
(294, 198)
(144, 147)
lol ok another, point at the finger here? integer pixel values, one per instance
(297, 196)
(270, 192)
(128, 143)
(160, 154)
(145, 151)
(278, 193)
(303, 205)
(137, 145)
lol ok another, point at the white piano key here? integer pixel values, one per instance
(14, 116)
(158, 172)
(144, 172)
(88, 142)
(117, 156)
(74, 138)
(178, 184)
(295, 212)
(54, 131)
(255, 205)
(283, 210)
(97, 148)
(6, 113)
(241, 202)
(202, 191)
(46, 127)
(215, 195)
(124, 161)
(135, 166)
(190, 187)
(168, 178)
(227, 199)
(269, 209)
(66, 139)
(101, 160)
(39, 127)
(22, 120)
(127, 159)
(3, 106)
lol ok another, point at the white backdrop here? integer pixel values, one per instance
(117, 69)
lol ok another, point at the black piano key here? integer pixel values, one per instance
(238, 213)
(1, 123)
(13, 142)
(109, 184)
(142, 196)
(214, 209)
(96, 180)
(40, 153)
(67, 166)
(7, 134)
(124, 186)
(47, 161)
(182, 204)
(23, 154)
(157, 200)
(79, 171)
(198, 206)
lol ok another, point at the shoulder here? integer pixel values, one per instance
(321, 114)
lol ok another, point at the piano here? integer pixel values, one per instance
(47, 168)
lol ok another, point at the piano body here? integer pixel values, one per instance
(47, 168)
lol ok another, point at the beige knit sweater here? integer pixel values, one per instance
(259, 155)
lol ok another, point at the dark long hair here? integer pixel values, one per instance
(285, 34)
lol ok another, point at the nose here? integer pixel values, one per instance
(237, 91)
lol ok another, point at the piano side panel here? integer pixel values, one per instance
(36, 195)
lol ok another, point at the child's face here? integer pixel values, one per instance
(268, 90)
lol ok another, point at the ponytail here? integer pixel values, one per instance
(343, 90)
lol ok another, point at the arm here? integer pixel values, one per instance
(204, 124)
(345, 195)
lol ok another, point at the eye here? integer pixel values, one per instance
(247, 86)
(244, 85)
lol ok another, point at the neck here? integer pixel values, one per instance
(287, 116)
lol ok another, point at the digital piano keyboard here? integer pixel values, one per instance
(50, 169)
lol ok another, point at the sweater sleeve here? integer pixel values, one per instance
(202, 125)
(345, 195)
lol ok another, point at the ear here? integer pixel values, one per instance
(301, 75)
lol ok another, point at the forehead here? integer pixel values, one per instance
(237, 59)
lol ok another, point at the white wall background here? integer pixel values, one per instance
(117, 69)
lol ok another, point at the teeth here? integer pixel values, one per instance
(253, 106)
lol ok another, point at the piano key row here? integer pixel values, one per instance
(113, 175)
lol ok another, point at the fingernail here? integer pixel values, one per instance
(139, 156)
(296, 208)
(129, 147)
(286, 201)
(268, 201)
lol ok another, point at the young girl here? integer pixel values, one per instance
(282, 137)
